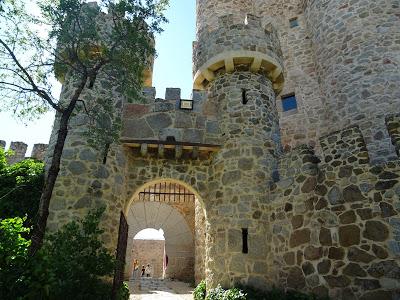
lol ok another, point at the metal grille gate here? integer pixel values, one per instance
(166, 192)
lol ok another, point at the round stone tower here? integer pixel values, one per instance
(357, 54)
(239, 64)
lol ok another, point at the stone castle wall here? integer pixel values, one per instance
(321, 217)
(162, 119)
(19, 150)
(357, 52)
(301, 126)
(334, 224)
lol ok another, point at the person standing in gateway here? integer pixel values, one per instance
(135, 272)
(148, 270)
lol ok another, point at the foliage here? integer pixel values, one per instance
(199, 292)
(248, 293)
(78, 259)
(13, 253)
(220, 294)
(72, 263)
(20, 187)
(123, 292)
(275, 294)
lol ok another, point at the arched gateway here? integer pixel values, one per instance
(171, 206)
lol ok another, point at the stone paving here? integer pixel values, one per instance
(158, 289)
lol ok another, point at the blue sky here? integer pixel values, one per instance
(172, 68)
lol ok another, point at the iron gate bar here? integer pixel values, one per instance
(162, 192)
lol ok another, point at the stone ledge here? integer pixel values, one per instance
(229, 60)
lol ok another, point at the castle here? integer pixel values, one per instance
(282, 170)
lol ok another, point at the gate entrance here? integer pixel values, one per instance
(169, 206)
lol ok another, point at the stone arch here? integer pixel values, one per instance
(183, 225)
(134, 195)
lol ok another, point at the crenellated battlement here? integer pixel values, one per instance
(172, 101)
(244, 45)
(19, 150)
(187, 123)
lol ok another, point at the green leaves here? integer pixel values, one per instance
(199, 292)
(20, 187)
(71, 264)
(13, 253)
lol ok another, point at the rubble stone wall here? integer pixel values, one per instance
(334, 225)
(161, 119)
(301, 126)
(357, 52)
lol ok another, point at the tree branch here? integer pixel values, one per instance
(40, 92)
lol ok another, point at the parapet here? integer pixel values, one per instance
(245, 45)
(346, 146)
(19, 151)
(171, 102)
(171, 123)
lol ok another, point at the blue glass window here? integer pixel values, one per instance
(294, 22)
(289, 103)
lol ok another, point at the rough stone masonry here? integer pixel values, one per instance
(302, 197)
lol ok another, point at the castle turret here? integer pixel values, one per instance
(89, 176)
(357, 58)
(239, 64)
(208, 11)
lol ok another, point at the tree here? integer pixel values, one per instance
(72, 263)
(21, 185)
(63, 38)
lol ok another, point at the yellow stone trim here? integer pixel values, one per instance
(227, 60)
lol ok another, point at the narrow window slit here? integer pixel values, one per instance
(245, 236)
(244, 97)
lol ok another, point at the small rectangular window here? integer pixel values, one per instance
(245, 235)
(294, 22)
(289, 102)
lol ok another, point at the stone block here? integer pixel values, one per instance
(300, 237)
(172, 94)
(159, 121)
(149, 93)
(376, 231)
(39, 151)
(349, 235)
(137, 129)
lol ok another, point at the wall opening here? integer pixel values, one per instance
(289, 102)
(174, 207)
(245, 237)
(148, 254)
(244, 97)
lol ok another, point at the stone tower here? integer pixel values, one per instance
(239, 63)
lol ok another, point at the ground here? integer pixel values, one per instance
(157, 289)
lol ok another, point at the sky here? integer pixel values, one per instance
(172, 68)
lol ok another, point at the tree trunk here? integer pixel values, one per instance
(43, 213)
